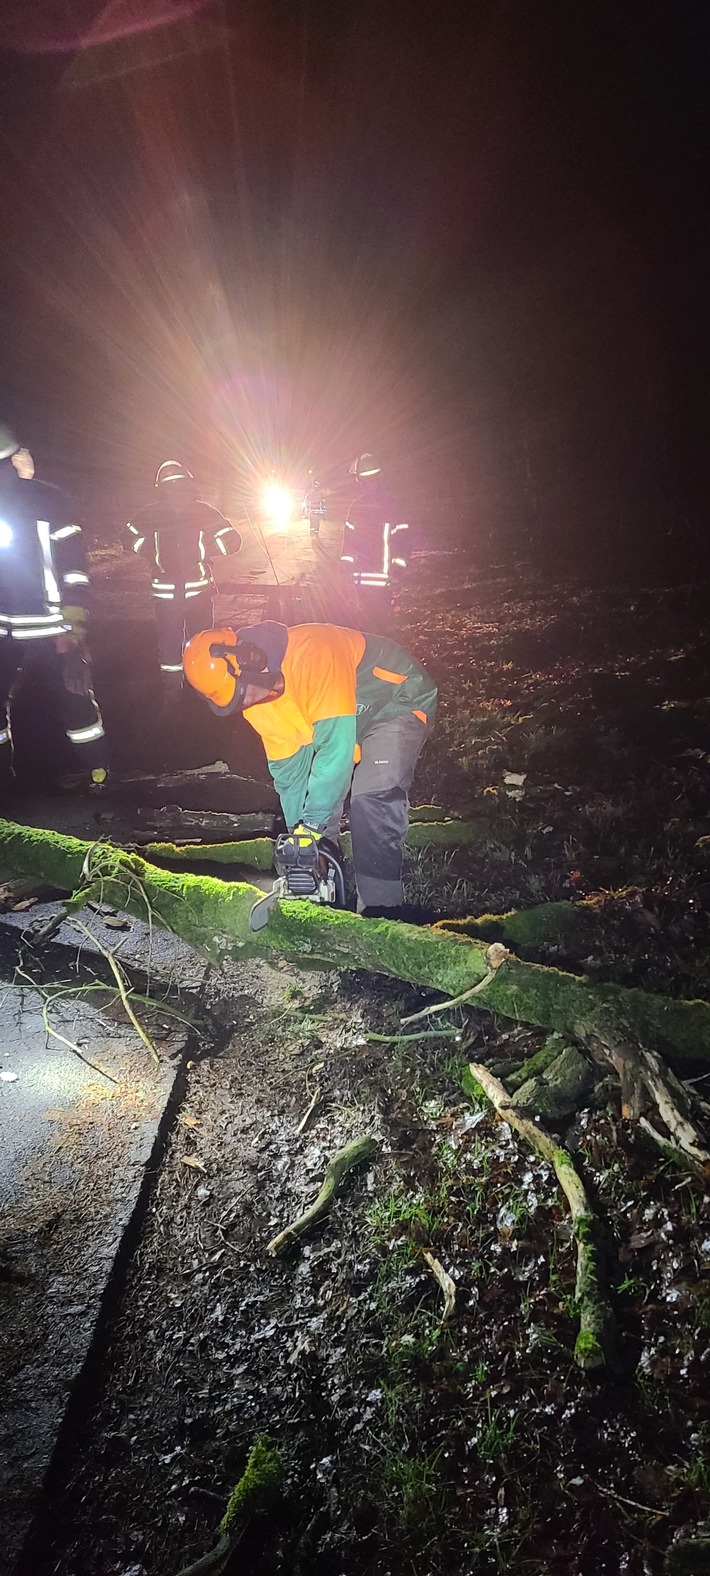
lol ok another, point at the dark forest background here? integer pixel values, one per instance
(471, 236)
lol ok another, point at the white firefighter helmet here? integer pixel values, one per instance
(365, 465)
(172, 471)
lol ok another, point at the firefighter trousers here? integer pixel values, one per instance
(178, 620)
(63, 668)
(379, 809)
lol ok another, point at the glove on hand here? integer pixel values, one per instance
(299, 849)
(76, 618)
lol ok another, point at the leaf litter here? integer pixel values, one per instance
(413, 1444)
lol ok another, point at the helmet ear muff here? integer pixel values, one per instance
(229, 653)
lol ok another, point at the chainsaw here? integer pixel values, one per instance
(300, 875)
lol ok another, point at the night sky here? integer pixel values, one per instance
(470, 236)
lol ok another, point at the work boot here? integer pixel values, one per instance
(79, 782)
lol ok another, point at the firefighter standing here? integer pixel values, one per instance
(44, 591)
(338, 711)
(180, 534)
(373, 540)
(314, 506)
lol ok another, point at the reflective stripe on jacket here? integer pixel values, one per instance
(42, 561)
(179, 544)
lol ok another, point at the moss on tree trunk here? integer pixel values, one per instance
(258, 852)
(213, 916)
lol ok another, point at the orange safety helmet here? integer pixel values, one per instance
(210, 665)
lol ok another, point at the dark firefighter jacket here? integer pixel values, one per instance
(42, 560)
(179, 543)
(375, 540)
(338, 684)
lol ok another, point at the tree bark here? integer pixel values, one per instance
(213, 917)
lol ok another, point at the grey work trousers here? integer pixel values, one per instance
(379, 808)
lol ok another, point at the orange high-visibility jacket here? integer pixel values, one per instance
(337, 684)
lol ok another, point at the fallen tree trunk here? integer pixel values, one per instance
(258, 852)
(213, 917)
(547, 925)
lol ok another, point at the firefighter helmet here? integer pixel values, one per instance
(365, 465)
(210, 665)
(172, 471)
(8, 442)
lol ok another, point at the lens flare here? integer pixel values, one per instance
(278, 503)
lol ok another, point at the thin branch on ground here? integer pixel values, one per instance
(424, 1034)
(595, 1346)
(55, 1034)
(312, 1108)
(455, 1001)
(354, 1154)
(123, 987)
(448, 1286)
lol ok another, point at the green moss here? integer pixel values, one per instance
(533, 929)
(473, 1090)
(588, 1351)
(213, 917)
(257, 852)
(259, 1487)
(536, 1065)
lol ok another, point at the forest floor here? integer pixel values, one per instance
(413, 1445)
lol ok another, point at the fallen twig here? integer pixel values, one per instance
(55, 1034)
(495, 957)
(354, 1154)
(595, 1346)
(119, 977)
(455, 1001)
(305, 1119)
(424, 1034)
(622, 1499)
(448, 1286)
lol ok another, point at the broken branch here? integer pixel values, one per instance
(354, 1154)
(448, 1286)
(595, 1344)
(258, 1489)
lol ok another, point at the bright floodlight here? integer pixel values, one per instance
(278, 503)
(5, 534)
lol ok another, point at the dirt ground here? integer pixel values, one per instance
(412, 1446)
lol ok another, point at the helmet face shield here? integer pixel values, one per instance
(229, 681)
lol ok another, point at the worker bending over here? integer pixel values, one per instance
(337, 711)
(179, 535)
